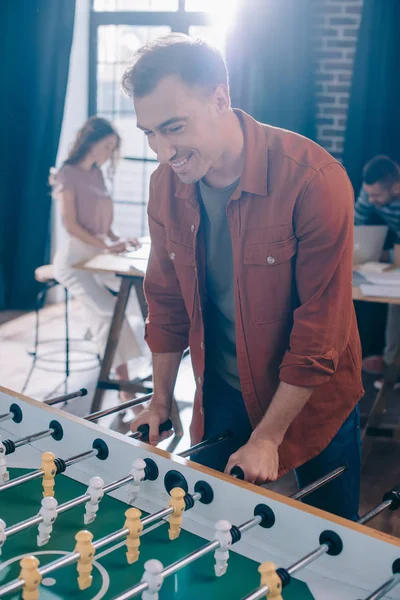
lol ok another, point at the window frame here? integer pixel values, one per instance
(179, 21)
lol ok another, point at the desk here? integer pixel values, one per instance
(391, 375)
(131, 272)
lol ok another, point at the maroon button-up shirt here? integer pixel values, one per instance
(291, 224)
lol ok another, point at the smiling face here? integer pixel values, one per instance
(380, 194)
(184, 125)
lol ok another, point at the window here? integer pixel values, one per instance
(118, 28)
(137, 5)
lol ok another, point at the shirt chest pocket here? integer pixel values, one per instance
(269, 279)
(184, 261)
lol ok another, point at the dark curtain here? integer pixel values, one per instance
(35, 45)
(270, 62)
(373, 125)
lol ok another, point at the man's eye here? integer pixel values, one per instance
(176, 129)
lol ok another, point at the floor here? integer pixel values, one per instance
(382, 471)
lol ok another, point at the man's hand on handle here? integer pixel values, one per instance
(153, 416)
(258, 459)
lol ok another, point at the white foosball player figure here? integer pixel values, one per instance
(96, 493)
(4, 474)
(221, 555)
(48, 511)
(153, 576)
(137, 471)
(3, 535)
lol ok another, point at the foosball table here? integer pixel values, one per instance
(89, 513)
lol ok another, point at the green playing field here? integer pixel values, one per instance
(111, 573)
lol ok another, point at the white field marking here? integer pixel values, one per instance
(105, 578)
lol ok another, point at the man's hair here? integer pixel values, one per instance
(381, 169)
(194, 61)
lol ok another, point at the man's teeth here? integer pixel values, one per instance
(180, 163)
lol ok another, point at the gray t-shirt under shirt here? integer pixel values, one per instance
(220, 310)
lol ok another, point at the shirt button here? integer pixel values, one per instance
(270, 260)
(172, 256)
(201, 410)
(192, 228)
(199, 380)
(202, 345)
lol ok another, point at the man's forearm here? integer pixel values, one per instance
(284, 408)
(165, 371)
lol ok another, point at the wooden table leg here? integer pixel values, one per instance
(391, 375)
(113, 338)
(175, 417)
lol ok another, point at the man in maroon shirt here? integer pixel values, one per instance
(251, 266)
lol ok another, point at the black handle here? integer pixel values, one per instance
(145, 430)
(237, 472)
(394, 496)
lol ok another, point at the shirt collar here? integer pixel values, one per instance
(254, 177)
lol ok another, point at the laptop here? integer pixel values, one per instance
(368, 243)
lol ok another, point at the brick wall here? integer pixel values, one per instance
(336, 24)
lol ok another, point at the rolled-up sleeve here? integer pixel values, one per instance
(324, 223)
(167, 323)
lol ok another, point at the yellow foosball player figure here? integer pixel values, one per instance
(178, 503)
(49, 472)
(85, 562)
(31, 576)
(134, 524)
(270, 578)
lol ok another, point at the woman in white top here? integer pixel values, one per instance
(87, 215)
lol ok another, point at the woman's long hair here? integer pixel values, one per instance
(94, 130)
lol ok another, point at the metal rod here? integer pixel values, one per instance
(258, 594)
(114, 485)
(6, 416)
(118, 535)
(312, 487)
(80, 457)
(33, 437)
(19, 480)
(206, 444)
(308, 559)
(385, 588)
(69, 559)
(374, 512)
(37, 474)
(66, 560)
(114, 409)
(23, 525)
(66, 397)
(261, 592)
(61, 508)
(183, 562)
(249, 524)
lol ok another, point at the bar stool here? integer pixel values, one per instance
(46, 277)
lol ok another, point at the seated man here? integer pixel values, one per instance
(379, 202)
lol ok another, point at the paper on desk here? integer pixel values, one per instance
(372, 267)
(385, 291)
(391, 277)
(142, 253)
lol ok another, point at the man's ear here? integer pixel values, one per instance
(396, 189)
(221, 98)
